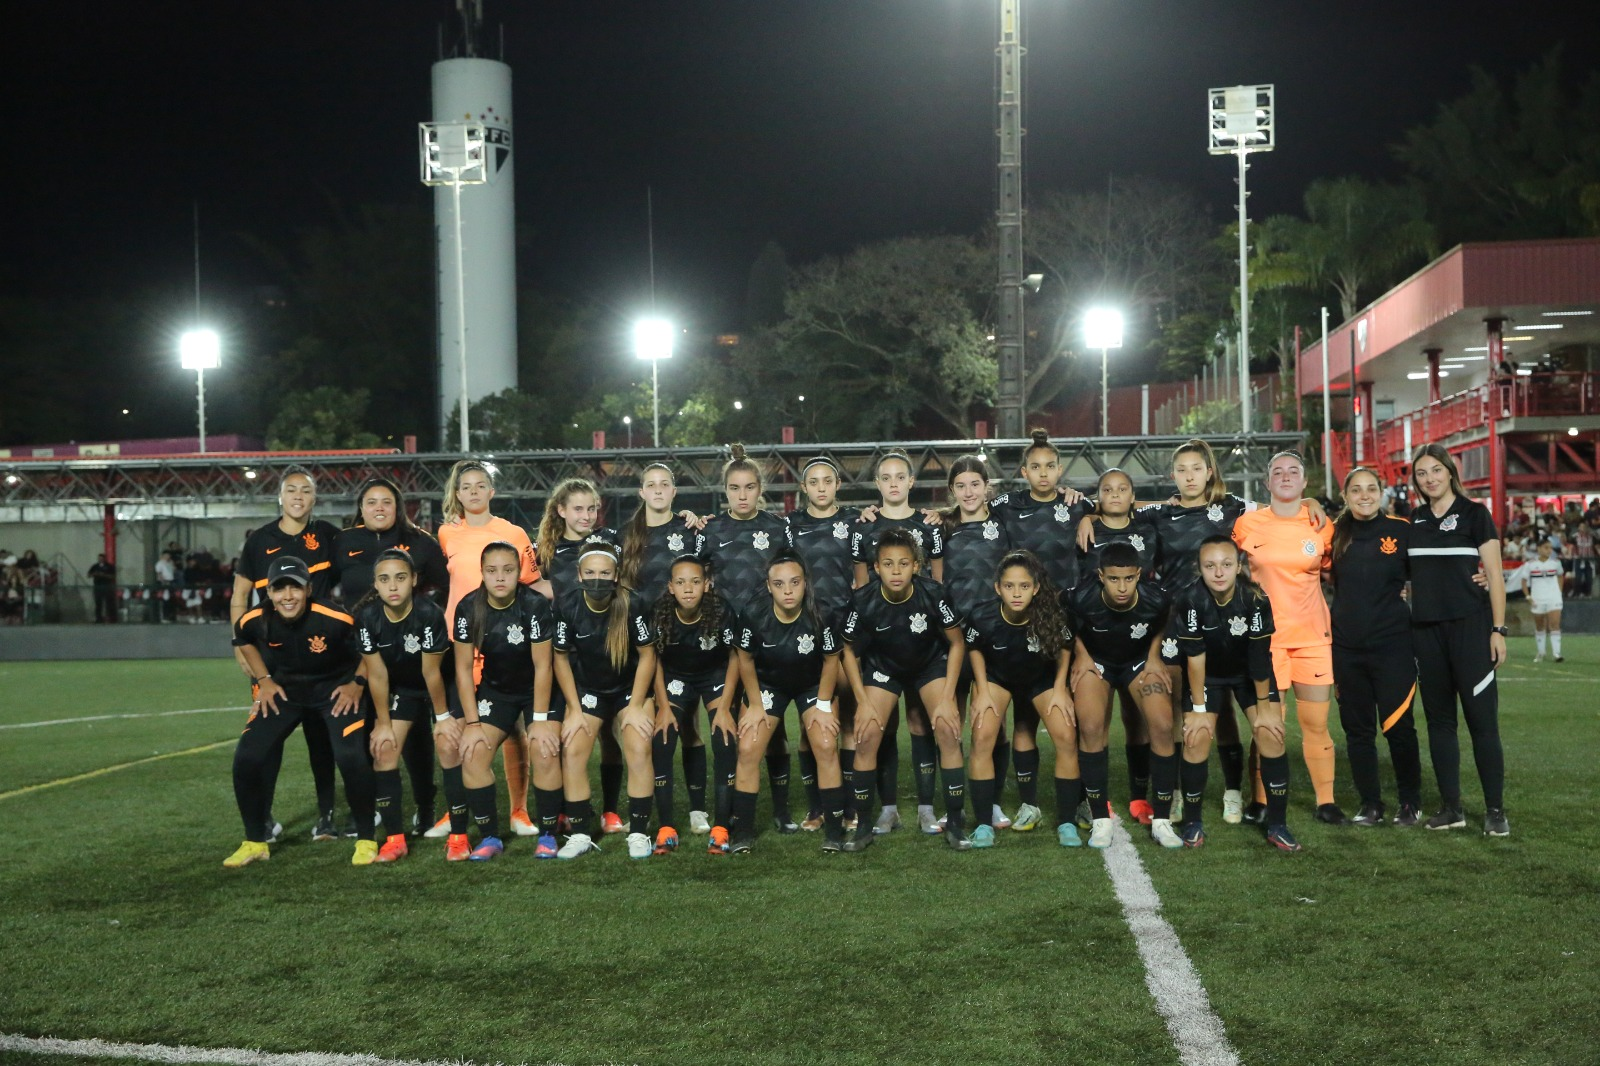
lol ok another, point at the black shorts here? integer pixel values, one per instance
(410, 707)
(910, 685)
(1223, 693)
(506, 713)
(685, 693)
(1119, 677)
(775, 701)
(604, 706)
(1024, 691)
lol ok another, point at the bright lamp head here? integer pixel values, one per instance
(1102, 328)
(652, 338)
(200, 349)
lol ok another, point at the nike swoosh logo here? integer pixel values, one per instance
(389, 645)
(1208, 629)
(1001, 647)
(1319, 675)
(272, 645)
(271, 551)
(357, 552)
(882, 629)
(1255, 547)
(723, 543)
(764, 644)
(804, 532)
(1097, 629)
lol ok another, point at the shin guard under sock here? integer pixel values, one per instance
(1163, 779)
(1026, 762)
(808, 778)
(694, 776)
(1069, 790)
(744, 815)
(888, 770)
(925, 756)
(778, 777)
(547, 808)
(639, 814)
(1275, 777)
(982, 799)
(485, 811)
(388, 800)
(1096, 769)
(610, 786)
(847, 770)
(455, 794)
(1317, 746)
(1138, 771)
(1231, 756)
(955, 795)
(1194, 776)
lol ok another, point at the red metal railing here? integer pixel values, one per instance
(1538, 395)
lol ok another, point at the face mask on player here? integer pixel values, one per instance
(598, 586)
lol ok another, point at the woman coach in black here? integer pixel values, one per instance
(1460, 634)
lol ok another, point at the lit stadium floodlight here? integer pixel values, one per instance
(1242, 119)
(200, 350)
(1102, 328)
(453, 154)
(652, 340)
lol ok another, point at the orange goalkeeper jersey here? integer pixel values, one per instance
(1287, 558)
(463, 546)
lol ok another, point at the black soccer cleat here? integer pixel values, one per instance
(956, 837)
(1370, 816)
(741, 846)
(1447, 818)
(324, 829)
(1407, 817)
(832, 842)
(1254, 814)
(1494, 820)
(1280, 837)
(784, 824)
(1330, 814)
(861, 839)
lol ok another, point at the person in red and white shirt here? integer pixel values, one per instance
(1540, 579)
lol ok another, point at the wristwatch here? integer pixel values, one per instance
(1504, 631)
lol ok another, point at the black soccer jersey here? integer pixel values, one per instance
(1444, 556)
(788, 655)
(509, 635)
(401, 645)
(1235, 637)
(581, 634)
(901, 638)
(663, 544)
(563, 569)
(825, 545)
(1179, 532)
(313, 545)
(865, 536)
(1047, 528)
(1012, 657)
(356, 550)
(309, 656)
(695, 649)
(1116, 636)
(1368, 580)
(972, 551)
(1138, 532)
(737, 550)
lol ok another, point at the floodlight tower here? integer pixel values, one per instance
(1011, 401)
(1241, 121)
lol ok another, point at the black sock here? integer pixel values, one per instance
(547, 807)
(1096, 769)
(888, 769)
(862, 783)
(1069, 790)
(455, 794)
(955, 794)
(778, 778)
(925, 754)
(1026, 762)
(388, 800)
(982, 799)
(1138, 771)
(1163, 778)
(485, 810)
(418, 754)
(1275, 777)
(1002, 766)
(694, 776)
(1231, 756)
(610, 786)
(724, 761)
(847, 770)
(639, 814)
(808, 777)
(579, 814)
(744, 814)
(833, 804)
(1194, 776)
(661, 751)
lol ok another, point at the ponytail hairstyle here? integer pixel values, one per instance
(1344, 527)
(891, 455)
(808, 603)
(1039, 440)
(480, 609)
(552, 527)
(387, 555)
(1441, 453)
(401, 519)
(1133, 503)
(1046, 619)
(820, 460)
(1246, 581)
(898, 537)
(452, 506)
(739, 460)
(1216, 490)
(636, 534)
(619, 642)
(665, 613)
(950, 516)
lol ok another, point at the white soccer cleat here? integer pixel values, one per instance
(1100, 832)
(578, 844)
(439, 830)
(639, 846)
(699, 823)
(1162, 833)
(928, 822)
(1233, 806)
(1027, 819)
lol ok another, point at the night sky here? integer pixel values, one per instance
(816, 123)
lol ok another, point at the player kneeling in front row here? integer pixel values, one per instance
(1120, 621)
(902, 636)
(1021, 647)
(1225, 629)
(787, 654)
(302, 659)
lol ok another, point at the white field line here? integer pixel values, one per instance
(118, 717)
(1197, 1032)
(182, 1054)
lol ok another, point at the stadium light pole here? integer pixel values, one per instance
(1102, 328)
(200, 350)
(1241, 121)
(627, 421)
(453, 154)
(652, 340)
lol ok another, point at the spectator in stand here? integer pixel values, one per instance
(1582, 560)
(8, 559)
(104, 576)
(166, 583)
(11, 595)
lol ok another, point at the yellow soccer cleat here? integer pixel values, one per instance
(249, 852)
(366, 853)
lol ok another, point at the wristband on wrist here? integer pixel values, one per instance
(473, 721)
(541, 716)
(1198, 708)
(825, 706)
(442, 717)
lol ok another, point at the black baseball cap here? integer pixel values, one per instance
(288, 568)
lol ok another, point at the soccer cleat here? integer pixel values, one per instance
(1175, 812)
(521, 824)
(1494, 820)
(487, 848)
(783, 823)
(742, 846)
(438, 829)
(274, 829)
(1330, 814)
(1559, 659)
(1082, 817)
(1447, 818)
(421, 819)
(394, 848)
(666, 840)
(1407, 817)
(862, 838)
(1538, 657)
(928, 822)
(366, 853)
(545, 848)
(579, 844)
(457, 848)
(1280, 837)
(832, 842)
(1141, 811)
(248, 852)
(699, 823)
(324, 829)
(1100, 832)
(1027, 819)
(718, 844)
(998, 818)
(1370, 816)
(611, 823)
(639, 846)
(1162, 833)
(888, 821)
(1194, 835)
(1255, 814)
(983, 836)
(957, 838)
(1067, 835)
(812, 822)
(1232, 806)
